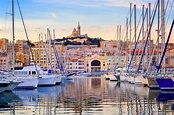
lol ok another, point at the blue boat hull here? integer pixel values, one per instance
(165, 83)
(165, 96)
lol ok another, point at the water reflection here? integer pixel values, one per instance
(7, 99)
(87, 96)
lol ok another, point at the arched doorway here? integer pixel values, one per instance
(95, 65)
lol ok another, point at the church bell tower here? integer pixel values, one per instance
(78, 28)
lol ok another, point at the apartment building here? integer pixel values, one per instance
(5, 60)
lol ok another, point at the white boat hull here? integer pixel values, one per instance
(71, 77)
(143, 80)
(58, 79)
(47, 80)
(131, 79)
(112, 77)
(123, 78)
(27, 83)
(137, 81)
(12, 85)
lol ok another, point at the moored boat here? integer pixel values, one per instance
(59, 79)
(3, 85)
(141, 79)
(112, 77)
(28, 77)
(165, 83)
(152, 83)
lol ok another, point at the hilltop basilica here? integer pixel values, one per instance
(77, 32)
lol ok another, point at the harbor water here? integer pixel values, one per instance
(88, 96)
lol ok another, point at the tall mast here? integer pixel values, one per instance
(120, 33)
(54, 35)
(163, 27)
(143, 31)
(46, 45)
(120, 46)
(130, 28)
(135, 34)
(149, 15)
(148, 24)
(126, 41)
(130, 20)
(143, 23)
(49, 47)
(158, 34)
(150, 19)
(135, 29)
(13, 38)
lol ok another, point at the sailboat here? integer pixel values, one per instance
(3, 85)
(7, 83)
(165, 82)
(28, 79)
(45, 78)
(57, 76)
(147, 80)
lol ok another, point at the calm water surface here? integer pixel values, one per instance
(87, 96)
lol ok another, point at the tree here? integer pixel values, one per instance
(30, 44)
(84, 42)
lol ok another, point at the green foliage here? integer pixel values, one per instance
(67, 42)
(30, 44)
(89, 41)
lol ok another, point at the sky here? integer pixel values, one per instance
(98, 18)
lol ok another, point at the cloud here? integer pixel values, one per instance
(53, 15)
(97, 3)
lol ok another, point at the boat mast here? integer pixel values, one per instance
(126, 42)
(130, 34)
(150, 15)
(135, 35)
(120, 39)
(158, 32)
(130, 21)
(165, 46)
(46, 45)
(143, 32)
(135, 28)
(148, 24)
(13, 39)
(117, 62)
(163, 28)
